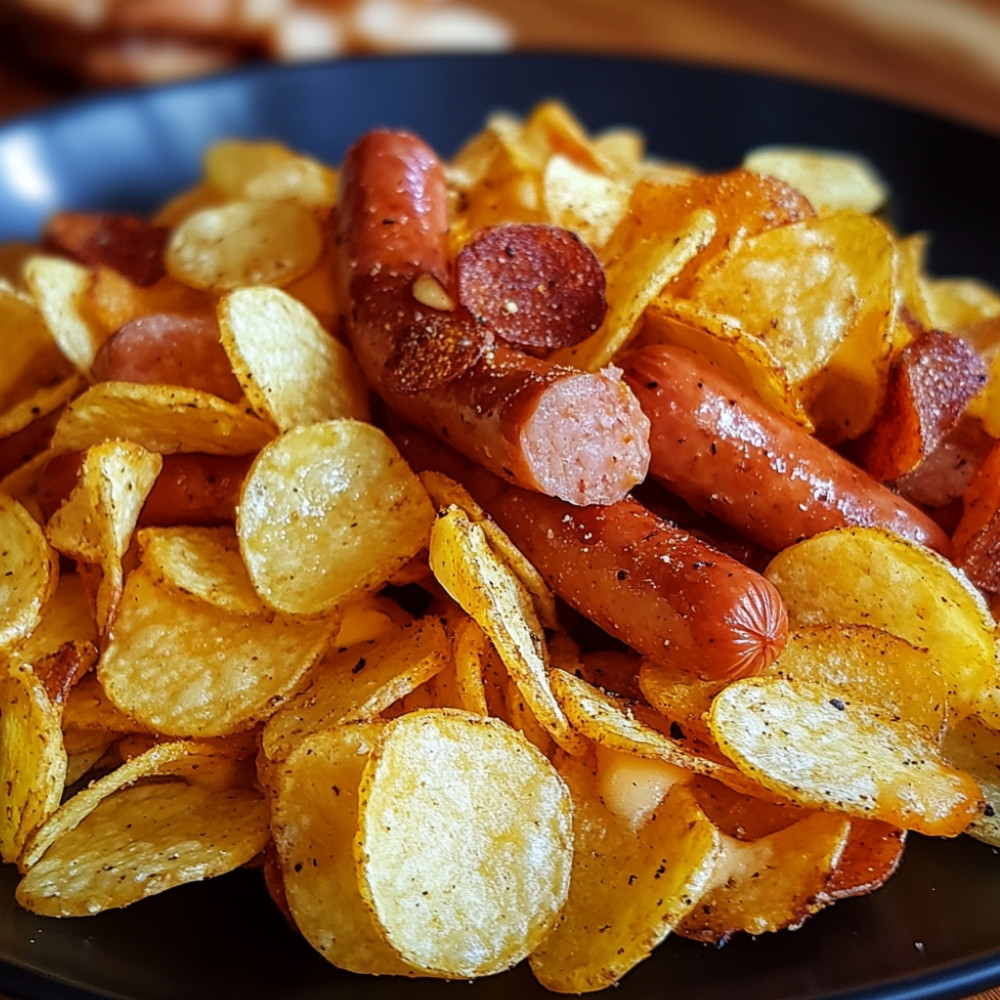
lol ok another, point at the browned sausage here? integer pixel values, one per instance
(192, 488)
(665, 593)
(725, 452)
(171, 349)
(571, 434)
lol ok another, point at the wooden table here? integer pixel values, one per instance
(942, 55)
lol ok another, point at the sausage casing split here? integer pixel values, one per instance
(665, 593)
(725, 452)
(572, 434)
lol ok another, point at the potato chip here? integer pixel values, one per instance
(483, 585)
(314, 819)
(831, 179)
(67, 617)
(292, 371)
(771, 883)
(357, 683)
(975, 747)
(628, 889)
(231, 164)
(301, 180)
(88, 709)
(328, 512)
(869, 576)
(59, 288)
(30, 572)
(162, 418)
(95, 523)
(465, 842)
(32, 758)
(244, 243)
(589, 203)
(184, 667)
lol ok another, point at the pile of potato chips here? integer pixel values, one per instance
(357, 682)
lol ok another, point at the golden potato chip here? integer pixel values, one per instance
(815, 744)
(357, 683)
(628, 889)
(872, 577)
(292, 370)
(957, 303)
(328, 512)
(142, 840)
(465, 842)
(184, 667)
(244, 243)
(485, 588)
(40, 408)
(771, 883)
(975, 747)
(831, 179)
(301, 180)
(81, 763)
(162, 418)
(67, 617)
(32, 359)
(682, 699)
(88, 709)
(113, 299)
(32, 757)
(314, 819)
(203, 563)
(231, 164)
(96, 521)
(29, 572)
(587, 202)
(59, 288)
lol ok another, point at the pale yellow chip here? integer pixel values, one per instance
(634, 280)
(88, 709)
(831, 179)
(29, 572)
(32, 757)
(292, 371)
(142, 840)
(975, 747)
(483, 585)
(231, 164)
(184, 667)
(771, 883)
(328, 512)
(465, 842)
(59, 288)
(629, 888)
(67, 617)
(358, 683)
(314, 820)
(162, 418)
(956, 303)
(96, 521)
(301, 180)
(872, 577)
(809, 742)
(201, 562)
(41, 405)
(589, 203)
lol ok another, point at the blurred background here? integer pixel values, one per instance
(942, 55)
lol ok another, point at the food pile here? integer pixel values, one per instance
(520, 557)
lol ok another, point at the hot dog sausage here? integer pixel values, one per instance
(575, 435)
(665, 593)
(725, 452)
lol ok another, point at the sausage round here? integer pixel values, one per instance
(572, 434)
(725, 452)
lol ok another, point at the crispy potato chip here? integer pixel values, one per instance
(292, 370)
(114, 300)
(40, 410)
(203, 563)
(328, 512)
(484, 586)
(231, 164)
(628, 889)
(957, 303)
(244, 243)
(184, 667)
(871, 577)
(67, 617)
(358, 683)
(301, 180)
(32, 757)
(142, 840)
(465, 842)
(314, 819)
(682, 699)
(831, 179)
(95, 523)
(771, 883)
(975, 747)
(59, 288)
(162, 418)
(589, 203)
(88, 709)
(810, 742)
(29, 572)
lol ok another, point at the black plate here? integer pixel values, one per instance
(934, 931)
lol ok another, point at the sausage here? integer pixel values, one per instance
(571, 434)
(192, 488)
(725, 452)
(657, 588)
(171, 349)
